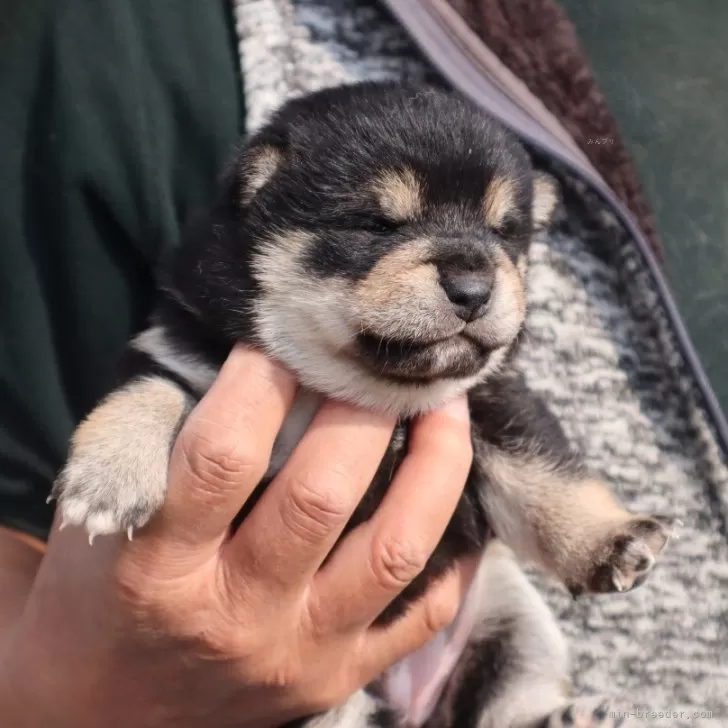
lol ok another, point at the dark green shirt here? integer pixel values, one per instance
(116, 116)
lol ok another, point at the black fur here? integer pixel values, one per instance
(490, 662)
(509, 416)
(135, 364)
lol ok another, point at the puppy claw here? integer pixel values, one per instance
(674, 529)
(100, 511)
(91, 537)
(50, 498)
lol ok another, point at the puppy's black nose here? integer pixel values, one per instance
(469, 292)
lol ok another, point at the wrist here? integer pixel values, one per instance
(13, 686)
(28, 695)
(20, 557)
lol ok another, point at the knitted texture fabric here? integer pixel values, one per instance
(602, 353)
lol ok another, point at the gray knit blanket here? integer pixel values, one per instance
(603, 355)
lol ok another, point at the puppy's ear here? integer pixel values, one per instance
(544, 201)
(258, 163)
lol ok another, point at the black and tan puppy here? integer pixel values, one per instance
(374, 239)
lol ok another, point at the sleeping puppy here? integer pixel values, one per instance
(374, 239)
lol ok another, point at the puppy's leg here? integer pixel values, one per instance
(116, 475)
(515, 671)
(569, 523)
(545, 505)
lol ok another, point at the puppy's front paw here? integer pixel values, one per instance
(116, 476)
(629, 553)
(103, 500)
(587, 713)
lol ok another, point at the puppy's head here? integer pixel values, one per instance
(385, 232)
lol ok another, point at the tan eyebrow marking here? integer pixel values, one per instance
(399, 194)
(544, 200)
(512, 278)
(259, 169)
(498, 200)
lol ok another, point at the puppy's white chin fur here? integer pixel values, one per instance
(346, 380)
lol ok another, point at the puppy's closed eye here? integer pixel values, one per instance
(506, 228)
(380, 225)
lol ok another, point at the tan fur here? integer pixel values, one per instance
(513, 277)
(399, 194)
(507, 308)
(568, 526)
(125, 441)
(572, 522)
(398, 280)
(139, 408)
(544, 200)
(404, 277)
(498, 201)
(260, 169)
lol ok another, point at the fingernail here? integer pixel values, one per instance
(457, 409)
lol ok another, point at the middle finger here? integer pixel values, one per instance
(291, 530)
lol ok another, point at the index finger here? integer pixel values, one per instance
(224, 447)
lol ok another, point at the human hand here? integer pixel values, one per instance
(187, 626)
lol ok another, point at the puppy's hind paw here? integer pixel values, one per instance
(587, 713)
